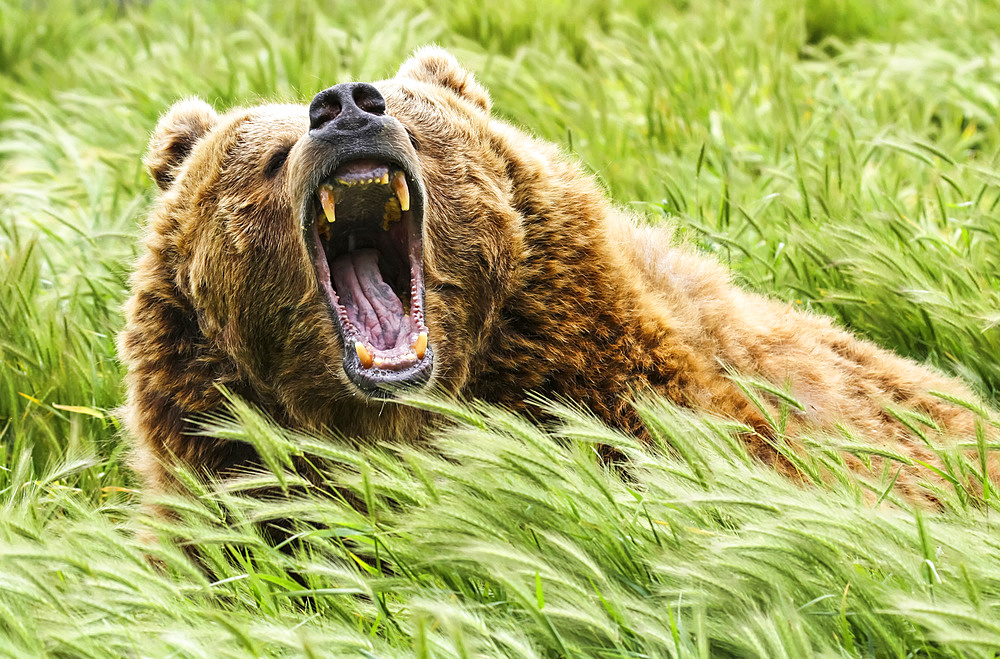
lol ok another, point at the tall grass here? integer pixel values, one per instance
(838, 154)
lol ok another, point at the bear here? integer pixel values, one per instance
(318, 261)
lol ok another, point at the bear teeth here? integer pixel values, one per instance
(331, 193)
(400, 203)
(420, 345)
(364, 355)
(392, 213)
(381, 180)
(370, 359)
(401, 190)
(328, 198)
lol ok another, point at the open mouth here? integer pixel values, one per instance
(368, 255)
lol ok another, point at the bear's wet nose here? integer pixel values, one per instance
(347, 107)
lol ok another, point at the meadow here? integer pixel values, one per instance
(841, 155)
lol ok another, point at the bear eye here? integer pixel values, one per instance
(276, 161)
(413, 139)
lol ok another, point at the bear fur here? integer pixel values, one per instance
(534, 283)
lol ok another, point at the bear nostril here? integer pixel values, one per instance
(324, 109)
(367, 98)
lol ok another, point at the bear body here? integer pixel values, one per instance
(276, 262)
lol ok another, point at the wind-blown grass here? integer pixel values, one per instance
(504, 540)
(838, 154)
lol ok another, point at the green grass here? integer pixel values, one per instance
(839, 154)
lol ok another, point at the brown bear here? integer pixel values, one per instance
(318, 260)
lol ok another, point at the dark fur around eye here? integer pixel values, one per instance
(413, 140)
(276, 161)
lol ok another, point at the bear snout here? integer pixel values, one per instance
(347, 109)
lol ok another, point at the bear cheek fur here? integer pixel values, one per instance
(245, 268)
(250, 279)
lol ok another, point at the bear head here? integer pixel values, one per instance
(319, 259)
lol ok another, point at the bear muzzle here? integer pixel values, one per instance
(362, 204)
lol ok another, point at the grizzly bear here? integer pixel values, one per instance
(316, 261)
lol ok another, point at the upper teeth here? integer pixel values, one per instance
(401, 190)
(382, 180)
(328, 195)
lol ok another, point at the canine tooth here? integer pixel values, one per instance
(402, 192)
(326, 198)
(363, 354)
(420, 345)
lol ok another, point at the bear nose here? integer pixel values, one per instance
(348, 107)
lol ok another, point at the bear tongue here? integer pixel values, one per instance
(371, 306)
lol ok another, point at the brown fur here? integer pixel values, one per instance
(535, 283)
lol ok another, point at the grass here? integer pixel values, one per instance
(838, 154)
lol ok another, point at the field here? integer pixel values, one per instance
(838, 154)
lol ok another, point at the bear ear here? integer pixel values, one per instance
(439, 67)
(175, 136)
